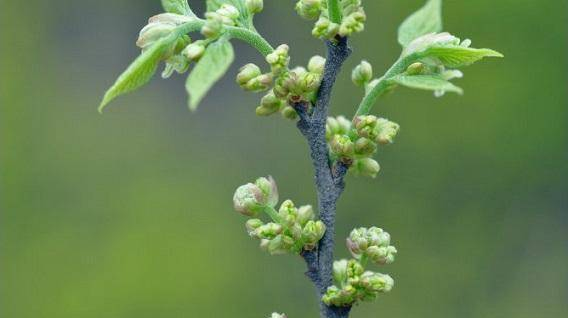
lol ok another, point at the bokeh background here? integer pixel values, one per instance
(128, 214)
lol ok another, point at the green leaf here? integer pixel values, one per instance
(211, 67)
(426, 82)
(140, 71)
(244, 19)
(427, 19)
(177, 7)
(459, 56)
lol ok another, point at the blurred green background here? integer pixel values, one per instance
(128, 214)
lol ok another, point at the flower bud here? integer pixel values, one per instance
(281, 244)
(255, 6)
(213, 26)
(354, 269)
(194, 51)
(340, 272)
(279, 59)
(153, 32)
(342, 146)
(416, 68)
(277, 315)
(259, 83)
(366, 126)
(268, 231)
(252, 225)
(288, 212)
(246, 73)
(230, 12)
(171, 18)
(376, 282)
(269, 190)
(357, 242)
(269, 104)
(248, 200)
(353, 23)
(365, 147)
(289, 113)
(309, 9)
(366, 167)
(313, 232)
(362, 73)
(305, 214)
(316, 64)
(387, 131)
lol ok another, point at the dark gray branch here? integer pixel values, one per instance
(328, 176)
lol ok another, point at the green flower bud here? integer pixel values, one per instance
(362, 73)
(277, 315)
(229, 12)
(309, 9)
(289, 113)
(279, 59)
(213, 26)
(305, 214)
(255, 6)
(354, 270)
(325, 29)
(153, 32)
(194, 51)
(288, 212)
(312, 233)
(252, 225)
(365, 147)
(367, 126)
(387, 131)
(382, 255)
(280, 90)
(248, 200)
(416, 68)
(366, 167)
(296, 231)
(259, 83)
(268, 231)
(357, 242)
(309, 82)
(353, 23)
(269, 104)
(316, 64)
(246, 73)
(340, 297)
(376, 282)
(269, 190)
(281, 244)
(342, 146)
(340, 272)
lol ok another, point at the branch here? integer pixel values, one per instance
(328, 176)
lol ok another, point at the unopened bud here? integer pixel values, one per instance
(362, 73)
(305, 214)
(309, 9)
(228, 11)
(366, 167)
(252, 225)
(342, 146)
(255, 6)
(268, 231)
(340, 272)
(289, 113)
(279, 59)
(212, 27)
(366, 126)
(387, 131)
(277, 315)
(316, 64)
(259, 83)
(247, 72)
(269, 104)
(153, 32)
(248, 200)
(194, 51)
(313, 232)
(365, 147)
(415, 68)
(269, 190)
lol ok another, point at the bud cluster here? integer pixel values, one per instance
(353, 20)
(159, 27)
(285, 86)
(356, 142)
(373, 244)
(352, 283)
(216, 20)
(291, 230)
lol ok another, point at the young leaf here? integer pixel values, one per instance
(177, 7)
(427, 19)
(458, 56)
(244, 19)
(426, 82)
(140, 71)
(211, 67)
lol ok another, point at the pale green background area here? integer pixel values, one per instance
(128, 214)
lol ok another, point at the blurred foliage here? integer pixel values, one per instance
(128, 214)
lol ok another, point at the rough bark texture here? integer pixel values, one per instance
(328, 176)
